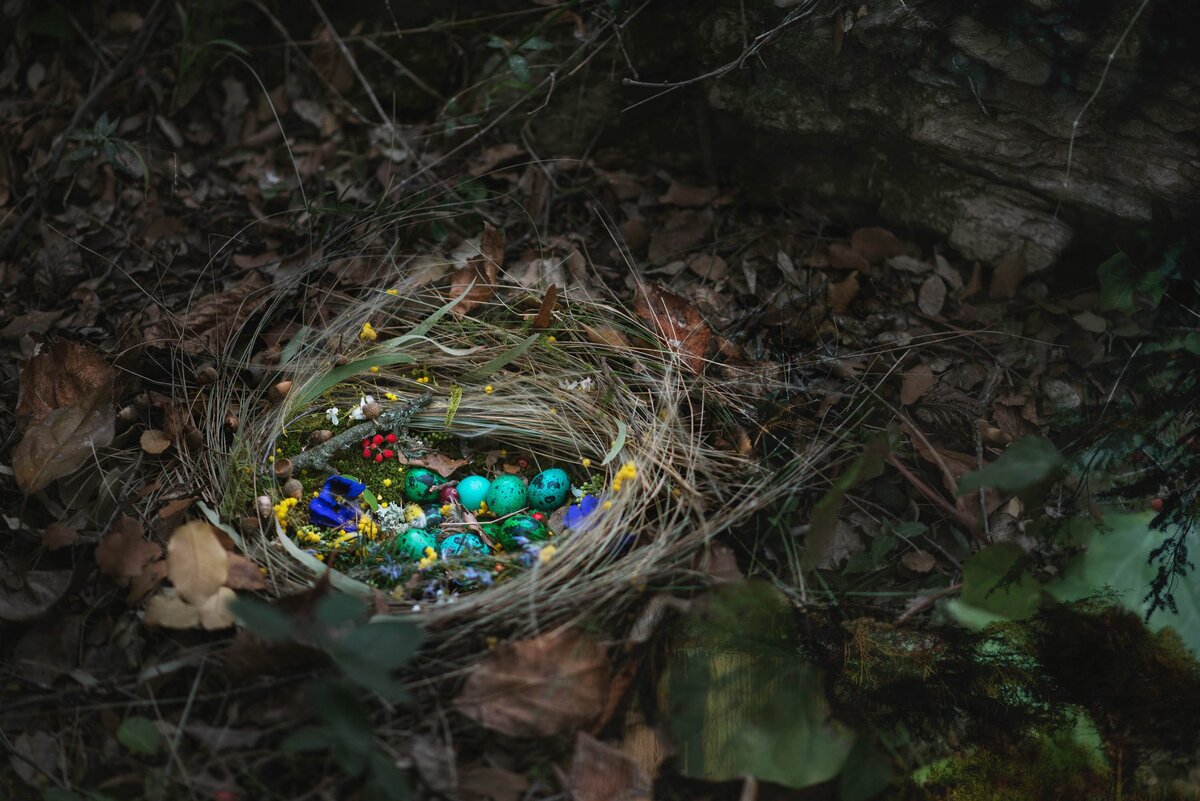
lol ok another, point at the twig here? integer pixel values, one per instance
(927, 601)
(950, 509)
(985, 399)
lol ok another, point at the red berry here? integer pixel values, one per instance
(388, 453)
(377, 439)
(379, 457)
(538, 516)
(366, 453)
(392, 438)
(366, 441)
(1156, 504)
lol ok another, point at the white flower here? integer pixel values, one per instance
(332, 414)
(585, 384)
(357, 412)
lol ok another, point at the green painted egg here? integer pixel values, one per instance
(524, 526)
(507, 495)
(471, 492)
(463, 544)
(419, 484)
(412, 543)
(549, 489)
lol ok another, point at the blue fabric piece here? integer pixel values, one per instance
(577, 512)
(346, 487)
(328, 511)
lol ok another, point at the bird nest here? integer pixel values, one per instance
(591, 389)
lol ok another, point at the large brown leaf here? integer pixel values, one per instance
(209, 322)
(62, 374)
(197, 563)
(64, 441)
(677, 322)
(539, 687)
(600, 772)
(124, 552)
(479, 273)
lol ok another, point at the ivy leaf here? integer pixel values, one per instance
(990, 586)
(139, 735)
(1121, 283)
(1025, 465)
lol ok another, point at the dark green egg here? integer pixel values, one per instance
(524, 526)
(505, 496)
(464, 544)
(419, 484)
(412, 543)
(549, 489)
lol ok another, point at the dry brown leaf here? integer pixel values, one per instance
(154, 441)
(64, 441)
(59, 535)
(124, 551)
(197, 563)
(62, 374)
(707, 266)
(974, 283)
(174, 507)
(678, 194)
(244, 574)
(600, 772)
(644, 745)
(1007, 276)
(486, 783)
(214, 612)
(844, 257)
(918, 561)
(681, 232)
(917, 382)
(839, 296)
(481, 271)
(439, 463)
(328, 61)
(168, 611)
(491, 156)
(27, 595)
(932, 296)
(539, 687)
(208, 323)
(876, 244)
(546, 312)
(677, 322)
(147, 581)
(603, 335)
(34, 322)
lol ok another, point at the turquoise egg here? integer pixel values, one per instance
(524, 526)
(419, 484)
(471, 492)
(507, 495)
(549, 489)
(412, 543)
(463, 544)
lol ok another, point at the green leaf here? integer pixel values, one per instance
(307, 738)
(868, 465)
(1121, 282)
(987, 586)
(339, 374)
(1026, 464)
(348, 728)
(263, 619)
(867, 773)
(519, 67)
(742, 700)
(1116, 559)
(140, 735)
(369, 654)
(502, 360)
(618, 443)
(385, 781)
(339, 608)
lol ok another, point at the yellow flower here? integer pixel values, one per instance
(368, 333)
(546, 554)
(551, 338)
(387, 482)
(390, 395)
(429, 558)
(282, 508)
(627, 471)
(489, 389)
(393, 292)
(423, 379)
(374, 368)
(608, 504)
(586, 462)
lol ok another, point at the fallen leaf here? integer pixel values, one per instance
(208, 323)
(197, 563)
(491, 156)
(244, 574)
(844, 257)
(876, 244)
(62, 374)
(36, 755)
(646, 746)
(932, 296)
(29, 595)
(1091, 322)
(839, 296)
(154, 441)
(604, 335)
(600, 772)
(918, 561)
(167, 610)
(328, 61)
(539, 687)
(64, 441)
(147, 581)
(909, 264)
(916, 383)
(707, 266)
(1007, 276)
(174, 507)
(974, 283)
(546, 312)
(481, 270)
(34, 322)
(435, 762)
(682, 231)
(486, 783)
(677, 322)
(678, 194)
(59, 535)
(439, 463)
(124, 551)
(214, 612)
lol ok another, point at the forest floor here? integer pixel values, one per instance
(159, 189)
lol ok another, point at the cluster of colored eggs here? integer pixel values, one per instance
(503, 497)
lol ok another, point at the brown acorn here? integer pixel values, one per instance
(292, 488)
(372, 410)
(319, 436)
(283, 468)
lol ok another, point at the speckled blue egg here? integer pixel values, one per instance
(463, 544)
(471, 492)
(433, 516)
(507, 495)
(549, 489)
(524, 526)
(412, 543)
(419, 484)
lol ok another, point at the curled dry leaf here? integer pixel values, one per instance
(59, 535)
(708, 266)
(681, 232)
(481, 270)
(244, 574)
(917, 382)
(64, 440)
(124, 552)
(839, 296)
(539, 687)
(604, 335)
(206, 326)
(918, 561)
(844, 257)
(1009, 273)
(600, 772)
(30, 594)
(62, 374)
(197, 563)
(492, 156)
(876, 244)
(154, 441)
(439, 463)
(677, 322)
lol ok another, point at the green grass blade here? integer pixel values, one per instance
(503, 359)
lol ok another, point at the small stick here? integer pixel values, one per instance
(985, 398)
(927, 601)
(953, 511)
(394, 418)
